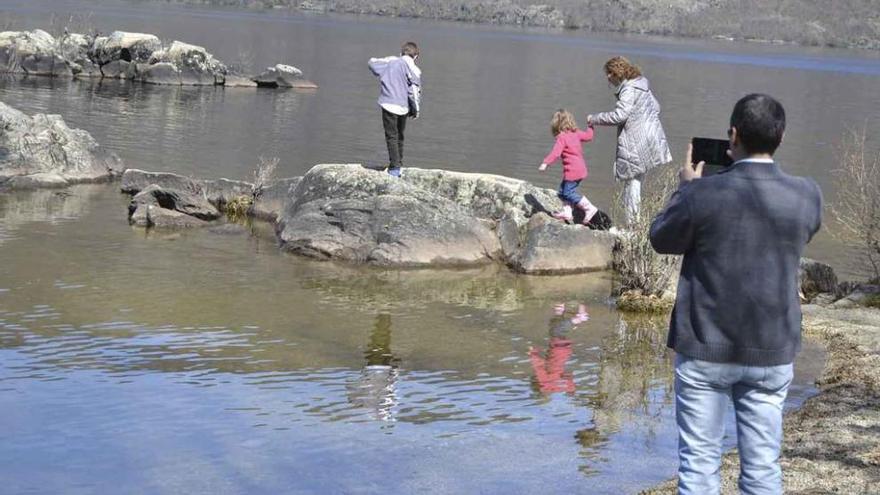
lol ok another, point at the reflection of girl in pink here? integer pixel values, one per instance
(549, 369)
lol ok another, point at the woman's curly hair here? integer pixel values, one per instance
(622, 69)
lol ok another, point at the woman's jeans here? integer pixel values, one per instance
(701, 392)
(632, 198)
(568, 191)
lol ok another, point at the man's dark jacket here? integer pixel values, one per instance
(742, 232)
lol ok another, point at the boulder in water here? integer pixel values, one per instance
(283, 76)
(121, 45)
(44, 148)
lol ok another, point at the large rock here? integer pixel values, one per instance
(195, 65)
(816, 278)
(161, 73)
(120, 45)
(215, 191)
(552, 247)
(350, 213)
(185, 202)
(135, 180)
(74, 49)
(44, 144)
(486, 195)
(119, 69)
(283, 76)
(17, 47)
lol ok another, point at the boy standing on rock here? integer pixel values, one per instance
(400, 82)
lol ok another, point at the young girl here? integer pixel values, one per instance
(574, 168)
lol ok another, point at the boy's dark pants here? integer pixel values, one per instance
(394, 126)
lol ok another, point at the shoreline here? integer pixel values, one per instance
(795, 27)
(831, 443)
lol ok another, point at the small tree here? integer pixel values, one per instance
(857, 209)
(640, 270)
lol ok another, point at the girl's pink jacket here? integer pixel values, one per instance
(568, 146)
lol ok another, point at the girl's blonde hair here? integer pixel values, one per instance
(562, 121)
(622, 69)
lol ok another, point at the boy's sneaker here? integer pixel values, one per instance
(394, 171)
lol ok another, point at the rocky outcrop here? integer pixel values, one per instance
(167, 200)
(427, 218)
(354, 214)
(196, 67)
(131, 56)
(42, 151)
(433, 217)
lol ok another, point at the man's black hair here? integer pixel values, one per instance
(760, 122)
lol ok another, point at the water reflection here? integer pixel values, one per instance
(375, 386)
(549, 368)
(21, 208)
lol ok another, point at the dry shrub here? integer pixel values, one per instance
(857, 209)
(641, 271)
(264, 173)
(237, 208)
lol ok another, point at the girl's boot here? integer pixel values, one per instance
(564, 214)
(589, 209)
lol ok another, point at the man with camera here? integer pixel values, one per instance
(736, 324)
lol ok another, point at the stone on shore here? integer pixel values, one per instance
(816, 278)
(42, 151)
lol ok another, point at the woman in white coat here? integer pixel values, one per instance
(641, 142)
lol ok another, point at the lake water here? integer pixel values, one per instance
(207, 361)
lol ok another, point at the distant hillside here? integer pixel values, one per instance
(840, 23)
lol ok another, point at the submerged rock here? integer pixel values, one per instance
(42, 151)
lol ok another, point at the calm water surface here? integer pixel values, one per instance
(206, 361)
